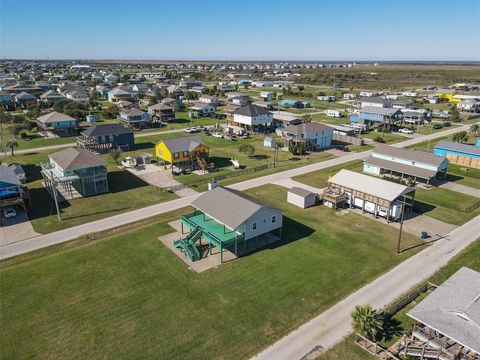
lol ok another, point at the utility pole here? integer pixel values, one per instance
(401, 227)
(1, 133)
(55, 198)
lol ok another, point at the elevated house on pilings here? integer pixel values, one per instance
(417, 165)
(103, 138)
(12, 192)
(75, 173)
(370, 194)
(228, 220)
(186, 152)
(447, 322)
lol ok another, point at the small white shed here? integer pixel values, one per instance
(269, 142)
(301, 197)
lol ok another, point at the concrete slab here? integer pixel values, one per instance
(467, 190)
(206, 262)
(414, 224)
(289, 183)
(16, 229)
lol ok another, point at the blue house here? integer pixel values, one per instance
(57, 123)
(461, 154)
(372, 114)
(417, 165)
(102, 138)
(291, 104)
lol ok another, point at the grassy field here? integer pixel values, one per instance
(346, 349)
(127, 192)
(319, 178)
(446, 205)
(127, 296)
(221, 151)
(389, 137)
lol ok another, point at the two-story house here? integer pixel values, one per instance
(57, 124)
(314, 135)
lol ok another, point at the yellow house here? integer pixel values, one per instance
(447, 94)
(184, 151)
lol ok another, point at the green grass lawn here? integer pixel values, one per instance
(389, 137)
(222, 150)
(128, 296)
(319, 178)
(463, 175)
(127, 192)
(470, 257)
(445, 205)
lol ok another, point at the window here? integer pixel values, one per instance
(254, 226)
(176, 156)
(274, 219)
(185, 154)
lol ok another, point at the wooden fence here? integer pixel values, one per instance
(348, 139)
(374, 348)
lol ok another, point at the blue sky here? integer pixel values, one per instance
(241, 29)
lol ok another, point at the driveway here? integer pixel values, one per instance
(159, 177)
(467, 190)
(16, 229)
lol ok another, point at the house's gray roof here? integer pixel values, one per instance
(106, 130)
(453, 146)
(370, 185)
(54, 117)
(133, 112)
(401, 168)
(377, 100)
(251, 111)
(200, 106)
(230, 207)
(25, 95)
(409, 154)
(378, 110)
(303, 128)
(8, 175)
(183, 143)
(160, 106)
(453, 309)
(300, 192)
(73, 158)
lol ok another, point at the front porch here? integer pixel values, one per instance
(427, 343)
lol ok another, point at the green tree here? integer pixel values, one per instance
(460, 137)
(366, 321)
(454, 115)
(307, 118)
(115, 154)
(247, 149)
(474, 130)
(298, 149)
(11, 144)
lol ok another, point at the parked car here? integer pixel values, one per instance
(447, 124)
(192, 129)
(9, 213)
(218, 135)
(405, 131)
(437, 126)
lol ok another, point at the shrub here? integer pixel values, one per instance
(299, 149)
(247, 149)
(378, 139)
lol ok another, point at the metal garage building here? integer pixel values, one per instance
(373, 195)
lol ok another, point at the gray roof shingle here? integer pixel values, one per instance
(453, 309)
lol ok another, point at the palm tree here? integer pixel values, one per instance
(11, 144)
(307, 118)
(366, 321)
(474, 129)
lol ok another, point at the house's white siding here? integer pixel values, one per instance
(263, 119)
(263, 219)
(300, 201)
